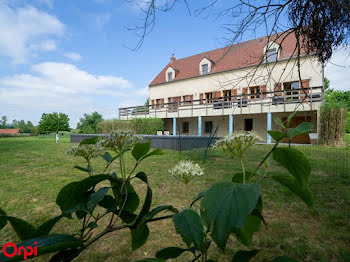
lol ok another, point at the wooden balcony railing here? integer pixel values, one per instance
(313, 95)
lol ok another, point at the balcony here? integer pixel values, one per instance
(276, 101)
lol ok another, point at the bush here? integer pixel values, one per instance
(148, 126)
(333, 122)
(347, 127)
(107, 127)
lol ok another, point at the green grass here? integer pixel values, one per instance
(347, 138)
(33, 169)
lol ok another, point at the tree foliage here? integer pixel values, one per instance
(53, 122)
(24, 127)
(88, 124)
(3, 122)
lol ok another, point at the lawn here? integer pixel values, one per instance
(33, 169)
(347, 138)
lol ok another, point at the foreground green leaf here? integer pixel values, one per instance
(170, 252)
(23, 229)
(87, 170)
(303, 128)
(277, 135)
(140, 230)
(279, 122)
(251, 225)
(107, 156)
(45, 228)
(244, 256)
(293, 185)
(141, 149)
(45, 245)
(295, 162)
(227, 205)
(96, 197)
(3, 219)
(289, 119)
(74, 196)
(189, 225)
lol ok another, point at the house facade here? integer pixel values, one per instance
(240, 87)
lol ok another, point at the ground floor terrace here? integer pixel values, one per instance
(226, 124)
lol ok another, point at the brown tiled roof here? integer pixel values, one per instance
(9, 131)
(232, 57)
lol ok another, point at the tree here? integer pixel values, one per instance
(341, 98)
(3, 123)
(53, 122)
(23, 126)
(88, 124)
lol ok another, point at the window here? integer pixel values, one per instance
(208, 126)
(272, 55)
(173, 103)
(185, 127)
(187, 100)
(248, 124)
(205, 69)
(172, 106)
(170, 76)
(227, 95)
(159, 103)
(291, 90)
(255, 92)
(209, 97)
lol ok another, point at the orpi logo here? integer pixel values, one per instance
(11, 250)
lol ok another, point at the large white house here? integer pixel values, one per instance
(240, 87)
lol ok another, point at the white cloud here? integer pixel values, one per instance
(66, 78)
(52, 87)
(338, 70)
(102, 19)
(45, 45)
(73, 56)
(25, 31)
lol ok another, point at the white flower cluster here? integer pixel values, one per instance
(87, 151)
(121, 141)
(185, 170)
(238, 142)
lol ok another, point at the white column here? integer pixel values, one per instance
(199, 126)
(230, 124)
(269, 124)
(174, 126)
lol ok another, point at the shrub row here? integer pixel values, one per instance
(333, 122)
(16, 135)
(148, 126)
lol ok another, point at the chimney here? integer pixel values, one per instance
(172, 58)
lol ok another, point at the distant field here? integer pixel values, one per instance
(33, 169)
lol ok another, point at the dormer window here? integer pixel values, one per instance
(205, 66)
(170, 76)
(205, 69)
(272, 55)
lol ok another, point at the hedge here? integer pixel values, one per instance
(148, 126)
(333, 122)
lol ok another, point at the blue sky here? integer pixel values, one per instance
(72, 56)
